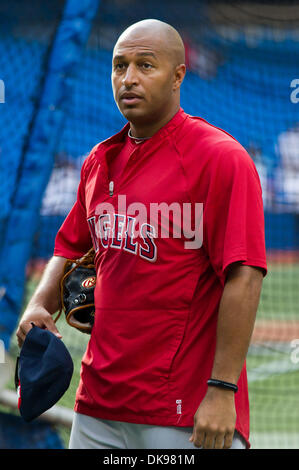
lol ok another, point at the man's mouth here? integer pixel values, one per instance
(130, 98)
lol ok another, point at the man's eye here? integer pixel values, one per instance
(146, 65)
(118, 66)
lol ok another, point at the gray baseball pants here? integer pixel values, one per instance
(94, 433)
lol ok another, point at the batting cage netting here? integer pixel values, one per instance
(56, 103)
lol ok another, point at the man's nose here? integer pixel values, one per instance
(130, 77)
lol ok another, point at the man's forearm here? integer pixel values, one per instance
(47, 293)
(236, 317)
(44, 302)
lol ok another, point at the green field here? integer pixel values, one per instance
(280, 294)
(273, 378)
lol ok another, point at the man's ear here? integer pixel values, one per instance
(179, 75)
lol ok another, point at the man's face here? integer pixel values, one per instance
(142, 79)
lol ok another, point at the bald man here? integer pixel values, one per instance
(165, 365)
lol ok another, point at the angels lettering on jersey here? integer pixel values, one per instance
(118, 231)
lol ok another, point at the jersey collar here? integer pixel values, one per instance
(167, 129)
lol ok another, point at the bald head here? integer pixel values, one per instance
(158, 34)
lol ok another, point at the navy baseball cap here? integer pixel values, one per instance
(43, 372)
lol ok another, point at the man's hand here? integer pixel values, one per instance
(214, 420)
(40, 317)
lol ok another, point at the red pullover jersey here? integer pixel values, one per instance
(152, 346)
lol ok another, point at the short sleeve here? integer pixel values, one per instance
(73, 239)
(233, 221)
